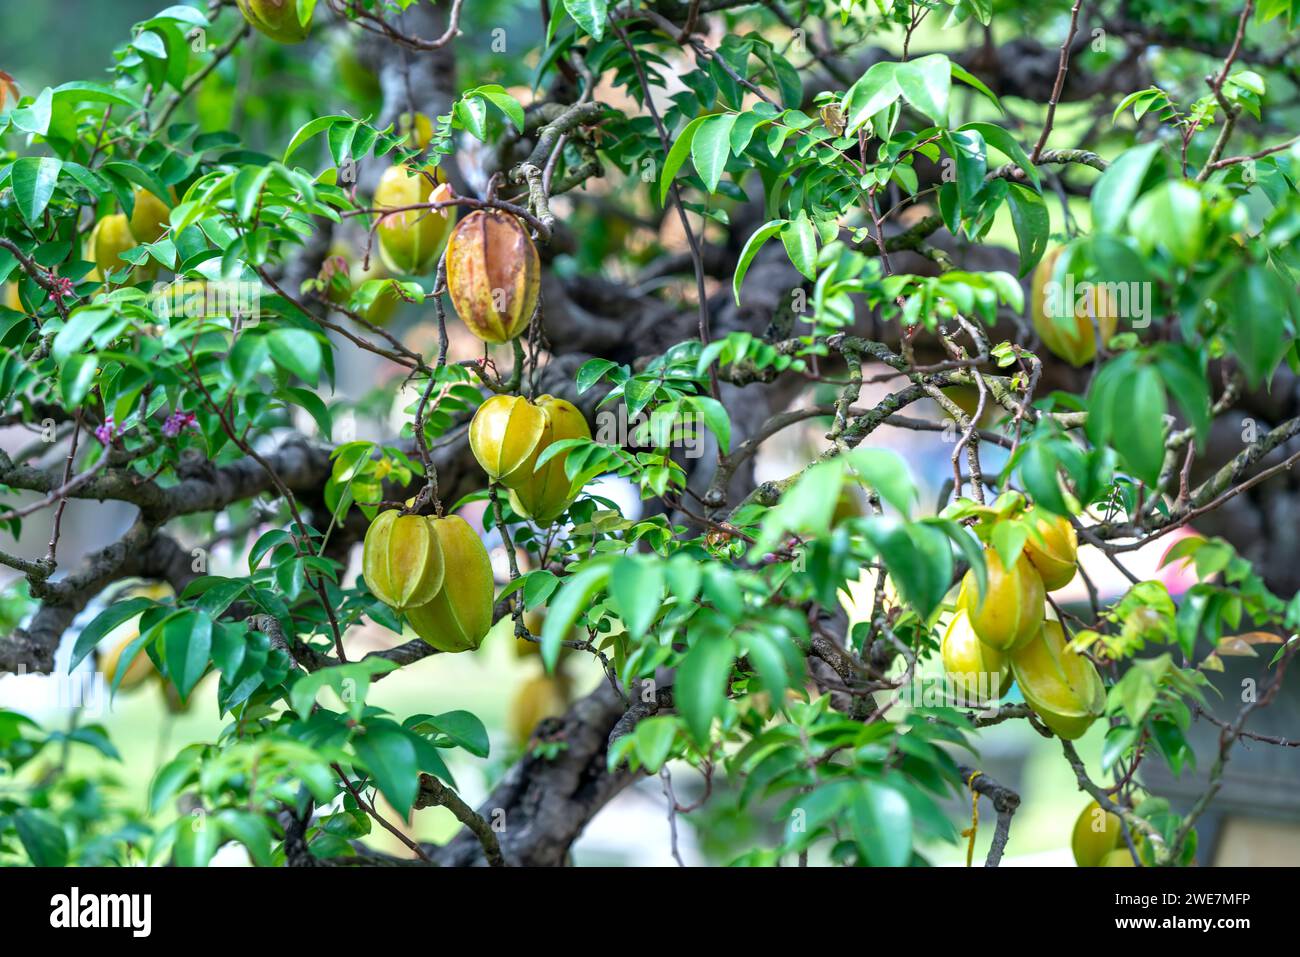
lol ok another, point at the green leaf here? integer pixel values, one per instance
(36, 117)
(1170, 217)
(881, 820)
(918, 557)
(250, 830)
(636, 585)
(806, 508)
(187, 646)
(711, 147)
(1138, 433)
(42, 837)
(752, 246)
(1005, 143)
(677, 156)
(1113, 194)
(885, 471)
(926, 83)
(959, 72)
(1032, 224)
(308, 130)
(76, 377)
(197, 838)
(388, 753)
(504, 102)
(248, 189)
(33, 179)
(471, 113)
(1180, 369)
(591, 372)
(349, 681)
(538, 586)
(463, 729)
(715, 417)
(800, 240)
(701, 684)
(82, 324)
(654, 741)
(170, 779)
(298, 351)
(571, 600)
(1255, 308)
(874, 91)
(107, 620)
(1009, 541)
(590, 15)
(967, 148)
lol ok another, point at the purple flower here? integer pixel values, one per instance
(62, 287)
(106, 431)
(178, 422)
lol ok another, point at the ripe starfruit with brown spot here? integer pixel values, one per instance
(411, 241)
(1096, 833)
(504, 433)
(150, 217)
(1007, 614)
(1061, 685)
(977, 670)
(277, 19)
(1067, 328)
(1055, 552)
(460, 614)
(494, 275)
(401, 560)
(543, 492)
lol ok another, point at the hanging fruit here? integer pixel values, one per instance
(523, 647)
(139, 671)
(150, 217)
(1061, 685)
(460, 615)
(277, 19)
(542, 493)
(1096, 834)
(417, 128)
(976, 669)
(493, 274)
(1071, 334)
(401, 560)
(411, 241)
(504, 433)
(12, 299)
(1056, 556)
(545, 696)
(110, 238)
(1007, 614)
(341, 275)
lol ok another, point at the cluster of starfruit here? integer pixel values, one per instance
(436, 572)
(1001, 631)
(510, 433)
(493, 269)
